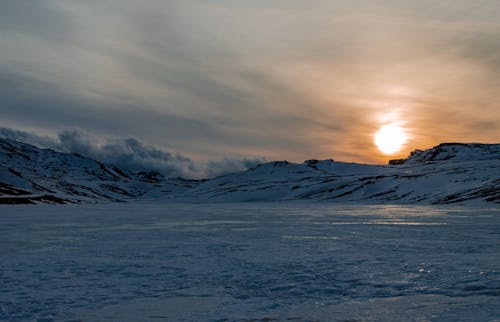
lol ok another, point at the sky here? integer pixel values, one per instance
(212, 80)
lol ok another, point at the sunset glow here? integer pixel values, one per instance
(390, 138)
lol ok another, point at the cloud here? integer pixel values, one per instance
(32, 17)
(132, 154)
(285, 79)
(27, 137)
(228, 165)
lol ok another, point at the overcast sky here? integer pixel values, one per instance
(282, 79)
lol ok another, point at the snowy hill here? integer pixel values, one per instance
(447, 173)
(29, 174)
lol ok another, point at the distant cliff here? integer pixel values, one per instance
(453, 152)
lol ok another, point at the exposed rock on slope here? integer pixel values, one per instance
(453, 152)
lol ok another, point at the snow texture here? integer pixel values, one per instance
(249, 262)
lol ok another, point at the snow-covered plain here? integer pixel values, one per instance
(249, 261)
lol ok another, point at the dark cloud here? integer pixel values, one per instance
(27, 137)
(40, 103)
(132, 154)
(228, 165)
(128, 153)
(39, 19)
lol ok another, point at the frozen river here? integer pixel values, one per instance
(258, 262)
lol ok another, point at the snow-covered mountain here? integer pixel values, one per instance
(29, 174)
(447, 173)
(453, 152)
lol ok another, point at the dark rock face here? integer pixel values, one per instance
(397, 161)
(31, 200)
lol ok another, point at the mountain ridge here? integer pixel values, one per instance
(446, 173)
(454, 151)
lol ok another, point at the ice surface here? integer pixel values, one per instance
(249, 261)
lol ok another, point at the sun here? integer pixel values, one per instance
(390, 138)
